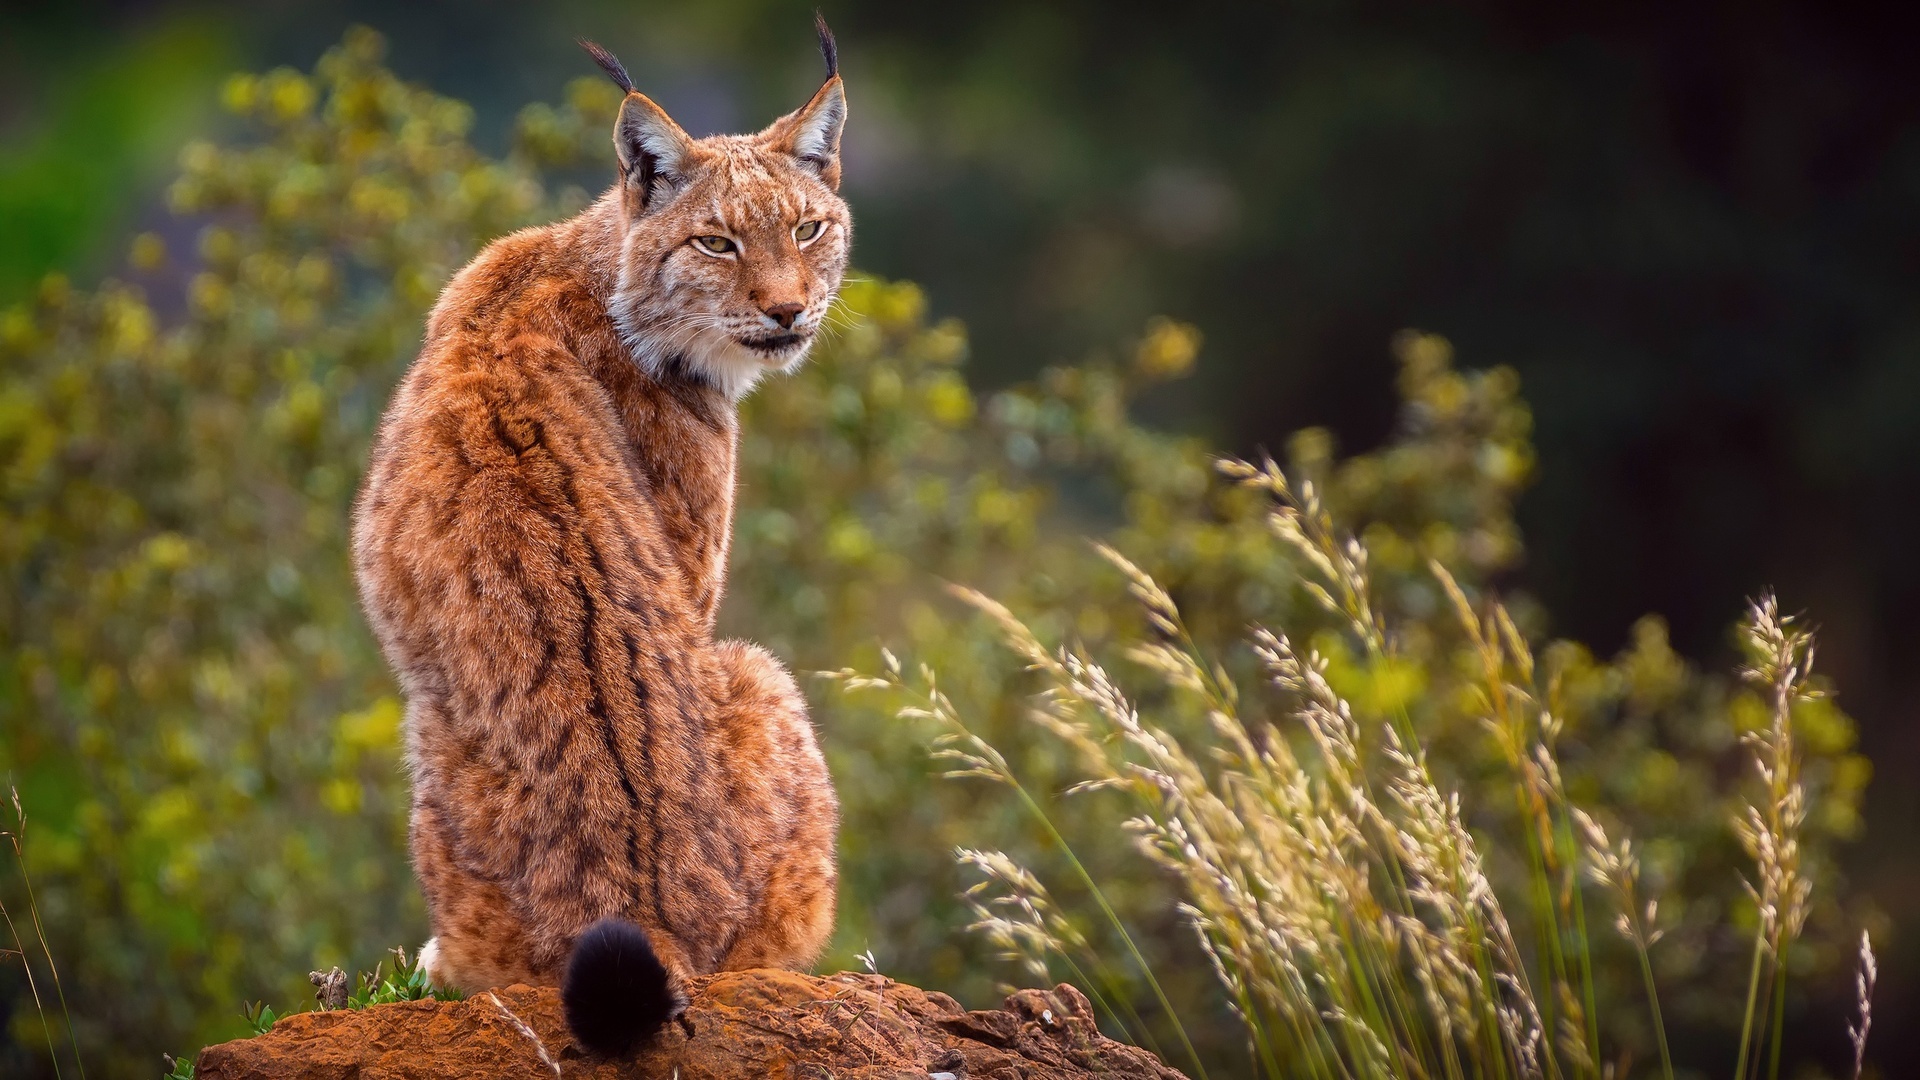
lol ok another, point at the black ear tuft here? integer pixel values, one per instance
(609, 64)
(615, 992)
(828, 50)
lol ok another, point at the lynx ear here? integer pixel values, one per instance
(652, 149)
(813, 133)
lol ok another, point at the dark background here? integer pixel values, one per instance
(1692, 228)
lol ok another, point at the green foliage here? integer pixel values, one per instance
(407, 983)
(71, 166)
(196, 715)
(259, 1016)
(189, 702)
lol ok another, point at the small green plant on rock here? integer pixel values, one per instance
(259, 1016)
(407, 983)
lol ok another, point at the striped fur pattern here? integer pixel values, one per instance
(541, 547)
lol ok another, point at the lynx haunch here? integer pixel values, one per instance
(604, 796)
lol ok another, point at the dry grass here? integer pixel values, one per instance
(15, 836)
(1331, 881)
(513, 1020)
(1863, 991)
(1781, 667)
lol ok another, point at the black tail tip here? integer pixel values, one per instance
(616, 993)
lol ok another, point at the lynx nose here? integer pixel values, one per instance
(784, 314)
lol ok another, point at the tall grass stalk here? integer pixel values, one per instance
(1863, 981)
(1525, 733)
(15, 837)
(1616, 868)
(1780, 667)
(33, 988)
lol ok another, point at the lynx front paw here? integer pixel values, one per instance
(429, 962)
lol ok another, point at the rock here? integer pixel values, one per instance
(740, 1025)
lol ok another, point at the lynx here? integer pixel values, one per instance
(604, 796)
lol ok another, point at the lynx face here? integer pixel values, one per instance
(735, 245)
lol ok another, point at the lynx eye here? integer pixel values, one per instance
(808, 230)
(715, 245)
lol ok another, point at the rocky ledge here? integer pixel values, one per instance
(740, 1024)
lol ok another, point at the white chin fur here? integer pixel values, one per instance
(734, 368)
(713, 355)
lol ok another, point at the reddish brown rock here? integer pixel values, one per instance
(743, 1024)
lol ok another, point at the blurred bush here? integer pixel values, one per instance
(76, 149)
(207, 742)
